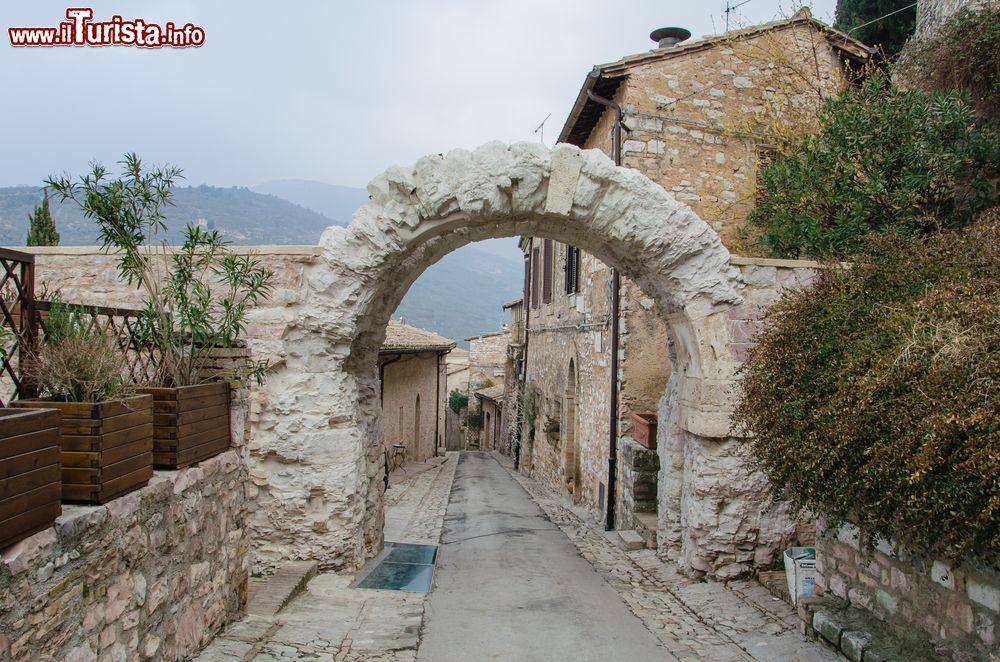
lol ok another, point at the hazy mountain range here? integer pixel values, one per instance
(458, 297)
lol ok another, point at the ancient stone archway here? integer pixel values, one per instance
(317, 454)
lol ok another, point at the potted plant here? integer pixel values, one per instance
(196, 300)
(106, 431)
(644, 429)
(29, 468)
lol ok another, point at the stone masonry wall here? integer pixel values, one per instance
(152, 575)
(954, 603)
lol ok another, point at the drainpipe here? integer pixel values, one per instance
(381, 377)
(524, 355)
(437, 407)
(616, 154)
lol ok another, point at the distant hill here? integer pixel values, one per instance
(458, 297)
(463, 294)
(241, 216)
(336, 202)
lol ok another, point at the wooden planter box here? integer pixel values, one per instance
(106, 447)
(29, 473)
(190, 423)
(644, 429)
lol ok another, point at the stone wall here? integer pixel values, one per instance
(151, 575)
(956, 604)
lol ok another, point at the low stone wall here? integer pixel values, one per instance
(959, 605)
(153, 575)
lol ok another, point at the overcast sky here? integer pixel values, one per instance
(307, 89)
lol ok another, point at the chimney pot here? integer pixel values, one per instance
(669, 37)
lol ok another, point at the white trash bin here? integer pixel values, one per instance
(800, 570)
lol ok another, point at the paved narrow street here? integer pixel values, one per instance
(520, 575)
(511, 586)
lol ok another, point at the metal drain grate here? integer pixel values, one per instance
(404, 567)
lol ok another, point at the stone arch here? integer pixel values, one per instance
(317, 437)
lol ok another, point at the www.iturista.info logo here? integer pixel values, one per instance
(81, 30)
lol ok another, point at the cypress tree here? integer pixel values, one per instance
(42, 230)
(889, 33)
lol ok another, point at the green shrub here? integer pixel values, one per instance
(457, 401)
(962, 55)
(886, 24)
(884, 158)
(77, 361)
(875, 397)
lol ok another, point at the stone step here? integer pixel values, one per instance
(270, 594)
(645, 525)
(630, 540)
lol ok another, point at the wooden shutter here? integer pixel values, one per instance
(572, 270)
(547, 277)
(527, 282)
(534, 278)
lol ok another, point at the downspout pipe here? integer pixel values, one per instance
(524, 354)
(437, 408)
(381, 376)
(616, 154)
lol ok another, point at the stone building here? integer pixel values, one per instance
(696, 117)
(490, 402)
(487, 354)
(413, 380)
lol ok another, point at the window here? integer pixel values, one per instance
(572, 270)
(549, 247)
(534, 278)
(527, 282)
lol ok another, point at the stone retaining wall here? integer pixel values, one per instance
(153, 575)
(959, 604)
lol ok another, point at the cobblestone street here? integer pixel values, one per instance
(686, 620)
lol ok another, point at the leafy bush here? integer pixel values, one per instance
(962, 55)
(875, 397)
(884, 158)
(458, 401)
(197, 297)
(77, 363)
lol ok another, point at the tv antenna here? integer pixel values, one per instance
(731, 8)
(540, 129)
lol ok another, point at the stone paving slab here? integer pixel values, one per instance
(330, 621)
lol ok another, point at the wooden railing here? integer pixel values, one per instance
(18, 322)
(123, 325)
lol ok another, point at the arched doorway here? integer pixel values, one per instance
(328, 485)
(571, 457)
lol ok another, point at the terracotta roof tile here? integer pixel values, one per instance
(400, 336)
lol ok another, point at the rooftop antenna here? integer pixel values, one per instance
(730, 8)
(540, 129)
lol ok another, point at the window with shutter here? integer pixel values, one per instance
(534, 278)
(527, 281)
(547, 274)
(572, 270)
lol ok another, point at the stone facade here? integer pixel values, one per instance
(153, 575)
(487, 355)
(957, 605)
